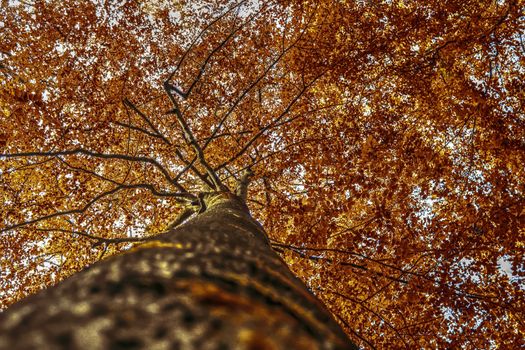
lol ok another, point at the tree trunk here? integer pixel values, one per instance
(212, 283)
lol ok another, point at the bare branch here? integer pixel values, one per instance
(170, 87)
(189, 165)
(264, 129)
(29, 165)
(185, 214)
(136, 128)
(129, 104)
(181, 197)
(269, 155)
(100, 240)
(98, 155)
(248, 89)
(240, 98)
(361, 304)
(61, 213)
(188, 135)
(190, 139)
(97, 198)
(224, 134)
(342, 263)
(205, 29)
(347, 252)
(242, 187)
(202, 69)
(352, 331)
(157, 134)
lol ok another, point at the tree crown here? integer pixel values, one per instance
(386, 141)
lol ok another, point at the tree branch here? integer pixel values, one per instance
(129, 104)
(202, 69)
(244, 93)
(183, 57)
(97, 198)
(352, 331)
(389, 325)
(268, 126)
(100, 240)
(98, 155)
(185, 214)
(190, 139)
(136, 128)
(343, 263)
(255, 82)
(242, 187)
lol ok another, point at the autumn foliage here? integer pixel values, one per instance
(387, 139)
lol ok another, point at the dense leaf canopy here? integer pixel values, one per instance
(387, 140)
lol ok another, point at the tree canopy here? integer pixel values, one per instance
(386, 138)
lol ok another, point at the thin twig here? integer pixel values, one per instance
(342, 263)
(136, 128)
(352, 331)
(100, 240)
(361, 304)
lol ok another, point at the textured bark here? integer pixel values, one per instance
(212, 283)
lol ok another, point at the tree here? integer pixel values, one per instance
(386, 141)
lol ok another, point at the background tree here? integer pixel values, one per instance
(386, 138)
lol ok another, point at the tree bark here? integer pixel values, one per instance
(212, 283)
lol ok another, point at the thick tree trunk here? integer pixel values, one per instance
(212, 283)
